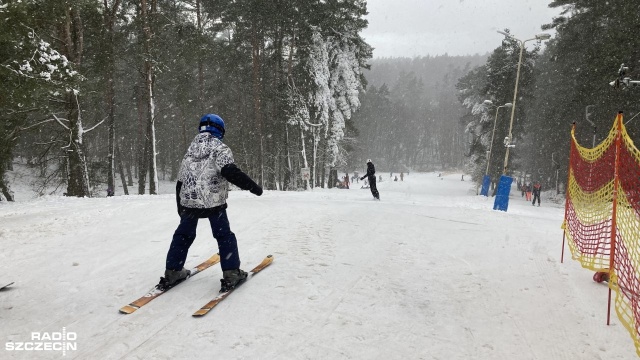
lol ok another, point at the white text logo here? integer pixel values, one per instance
(43, 341)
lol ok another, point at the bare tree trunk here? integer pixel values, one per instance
(331, 180)
(121, 169)
(256, 46)
(290, 176)
(151, 152)
(78, 181)
(149, 84)
(200, 62)
(278, 171)
(323, 164)
(127, 167)
(142, 148)
(304, 153)
(109, 17)
(112, 134)
(288, 172)
(316, 139)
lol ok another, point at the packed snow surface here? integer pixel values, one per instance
(429, 272)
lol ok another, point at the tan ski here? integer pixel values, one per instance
(211, 304)
(157, 291)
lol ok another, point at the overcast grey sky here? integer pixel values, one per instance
(457, 27)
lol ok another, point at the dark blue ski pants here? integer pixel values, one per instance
(186, 233)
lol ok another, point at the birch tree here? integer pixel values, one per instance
(148, 10)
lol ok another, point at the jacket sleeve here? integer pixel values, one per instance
(234, 175)
(178, 187)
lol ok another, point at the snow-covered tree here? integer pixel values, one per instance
(46, 74)
(335, 67)
(345, 86)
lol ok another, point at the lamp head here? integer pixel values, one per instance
(543, 36)
(623, 70)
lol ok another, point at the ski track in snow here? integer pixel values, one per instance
(429, 272)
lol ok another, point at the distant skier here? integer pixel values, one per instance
(536, 193)
(371, 176)
(528, 188)
(201, 192)
(401, 176)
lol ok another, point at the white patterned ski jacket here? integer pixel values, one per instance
(205, 173)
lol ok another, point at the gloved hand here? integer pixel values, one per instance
(362, 178)
(257, 190)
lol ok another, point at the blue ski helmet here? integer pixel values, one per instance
(213, 124)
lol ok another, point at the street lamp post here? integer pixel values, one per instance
(486, 181)
(504, 185)
(508, 145)
(495, 120)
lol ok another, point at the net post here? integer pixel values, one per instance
(566, 190)
(614, 215)
(609, 308)
(562, 254)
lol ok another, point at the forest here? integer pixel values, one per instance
(92, 89)
(107, 94)
(566, 82)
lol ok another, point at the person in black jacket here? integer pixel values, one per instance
(371, 176)
(201, 192)
(536, 193)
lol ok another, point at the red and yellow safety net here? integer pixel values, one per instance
(602, 217)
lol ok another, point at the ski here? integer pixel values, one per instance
(156, 291)
(5, 286)
(211, 304)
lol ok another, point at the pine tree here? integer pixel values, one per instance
(593, 39)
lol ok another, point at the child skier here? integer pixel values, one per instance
(527, 192)
(201, 192)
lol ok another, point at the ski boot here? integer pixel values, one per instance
(172, 278)
(231, 279)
